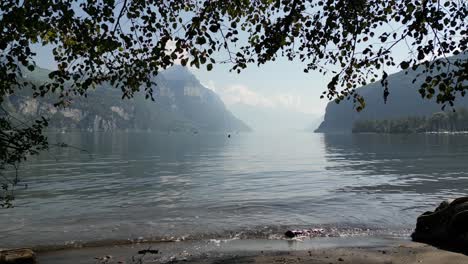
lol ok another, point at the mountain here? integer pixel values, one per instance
(404, 101)
(261, 118)
(182, 104)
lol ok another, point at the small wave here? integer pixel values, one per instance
(265, 232)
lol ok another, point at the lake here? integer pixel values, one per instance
(150, 186)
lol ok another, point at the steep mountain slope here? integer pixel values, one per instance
(182, 104)
(404, 101)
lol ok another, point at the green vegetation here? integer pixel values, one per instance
(456, 121)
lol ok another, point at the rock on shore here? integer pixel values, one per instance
(446, 227)
(17, 256)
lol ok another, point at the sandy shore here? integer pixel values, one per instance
(405, 254)
(364, 250)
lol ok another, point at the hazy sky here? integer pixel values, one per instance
(278, 84)
(281, 83)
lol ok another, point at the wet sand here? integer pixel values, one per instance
(317, 251)
(410, 253)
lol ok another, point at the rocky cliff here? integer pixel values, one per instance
(182, 104)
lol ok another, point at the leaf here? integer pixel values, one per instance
(404, 65)
(214, 28)
(421, 55)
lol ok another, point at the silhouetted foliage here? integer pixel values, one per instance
(18, 141)
(456, 121)
(125, 43)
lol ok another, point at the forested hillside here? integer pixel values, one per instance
(404, 101)
(438, 122)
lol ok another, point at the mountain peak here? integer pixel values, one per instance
(178, 72)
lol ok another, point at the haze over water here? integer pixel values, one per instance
(199, 186)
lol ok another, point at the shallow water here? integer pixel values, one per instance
(149, 186)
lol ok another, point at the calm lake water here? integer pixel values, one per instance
(186, 186)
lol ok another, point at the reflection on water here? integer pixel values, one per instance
(131, 185)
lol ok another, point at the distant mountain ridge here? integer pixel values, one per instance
(182, 104)
(404, 101)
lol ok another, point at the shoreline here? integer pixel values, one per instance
(265, 233)
(364, 250)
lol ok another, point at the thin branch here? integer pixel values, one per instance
(117, 22)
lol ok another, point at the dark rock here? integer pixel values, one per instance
(447, 226)
(290, 234)
(148, 251)
(17, 256)
(305, 233)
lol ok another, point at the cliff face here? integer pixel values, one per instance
(404, 101)
(182, 104)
